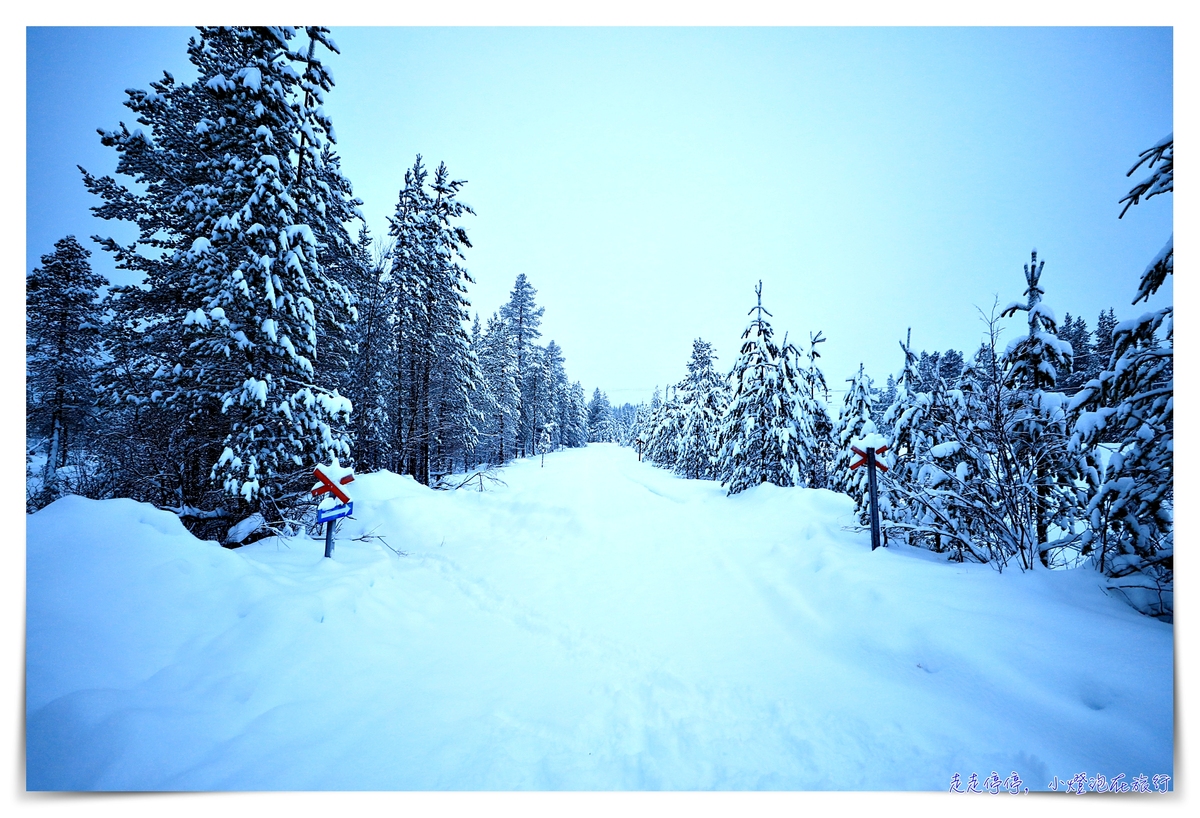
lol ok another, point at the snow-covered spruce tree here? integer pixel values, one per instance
(575, 435)
(1031, 366)
(537, 393)
(370, 378)
(262, 285)
(456, 375)
(906, 437)
(558, 394)
(1106, 325)
(240, 206)
(854, 423)
(702, 403)
(524, 318)
(817, 443)
(759, 436)
(637, 431)
(964, 488)
(62, 319)
(414, 236)
(1130, 503)
(957, 495)
(882, 401)
(969, 481)
(600, 421)
(662, 437)
(435, 419)
(498, 363)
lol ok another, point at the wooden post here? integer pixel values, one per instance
(329, 538)
(639, 445)
(874, 498)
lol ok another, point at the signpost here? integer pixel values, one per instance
(867, 459)
(330, 480)
(640, 444)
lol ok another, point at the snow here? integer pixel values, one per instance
(255, 522)
(869, 440)
(947, 449)
(594, 624)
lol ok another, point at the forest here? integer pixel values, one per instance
(271, 331)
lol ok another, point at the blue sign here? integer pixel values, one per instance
(328, 514)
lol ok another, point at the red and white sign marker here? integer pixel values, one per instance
(331, 479)
(863, 456)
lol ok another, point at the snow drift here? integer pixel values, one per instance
(593, 624)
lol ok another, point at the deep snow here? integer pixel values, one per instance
(593, 624)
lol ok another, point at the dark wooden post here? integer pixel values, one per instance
(329, 538)
(874, 498)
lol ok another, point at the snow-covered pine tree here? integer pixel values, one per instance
(242, 206)
(760, 433)
(1031, 366)
(854, 422)
(701, 406)
(524, 318)
(1130, 503)
(62, 322)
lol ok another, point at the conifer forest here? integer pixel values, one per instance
(267, 330)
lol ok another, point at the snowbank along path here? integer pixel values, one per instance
(594, 624)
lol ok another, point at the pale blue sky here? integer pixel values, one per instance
(644, 179)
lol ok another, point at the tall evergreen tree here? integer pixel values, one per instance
(1031, 367)
(498, 362)
(950, 367)
(1106, 325)
(1130, 504)
(665, 427)
(370, 378)
(760, 434)
(702, 403)
(854, 423)
(817, 442)
(558, 393)
(436, 374)
(242, 205)
(62, 320)
(524, 318)
(600, 421)
(576, 434)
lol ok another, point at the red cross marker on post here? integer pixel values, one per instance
(867, 459)
(330, 480)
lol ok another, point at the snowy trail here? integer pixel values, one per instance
(593, 624)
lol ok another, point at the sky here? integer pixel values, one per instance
(644, 179)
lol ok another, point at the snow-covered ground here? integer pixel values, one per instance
(593, 624)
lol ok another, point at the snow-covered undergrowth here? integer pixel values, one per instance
(593, 624)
